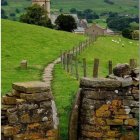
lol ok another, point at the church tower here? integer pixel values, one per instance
(45, 4)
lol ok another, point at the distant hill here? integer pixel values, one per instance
(121, 6)
(38, 45)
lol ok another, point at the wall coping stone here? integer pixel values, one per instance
(99, 82)
(31, 87)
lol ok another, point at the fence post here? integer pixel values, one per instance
(71, 63)
(133, 63)
(96, 67)
(110, 67)
(64, 60)
(68, 59)
(73, 50)
(84, 67)
(61, 56)
(89, 42)
(76, 51)
(81, 47)
(76, 68)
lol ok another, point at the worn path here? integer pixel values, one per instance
(48, 72)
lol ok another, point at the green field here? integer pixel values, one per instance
(99, 6)
(41, 45)
(126, 6)
(105, 49)
(101, 22)
(64, 90)
(38, 45)
(65, 86)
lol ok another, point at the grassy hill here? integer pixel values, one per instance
(65, 86)
(38, 45)
(121, 6)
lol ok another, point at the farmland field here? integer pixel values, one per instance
(65, 86)
(99, 6)
(38, 45)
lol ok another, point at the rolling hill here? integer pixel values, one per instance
(38, 45)
(65, 85)
(121, 6)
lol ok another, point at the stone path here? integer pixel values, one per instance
(48, 72)
(47, 78)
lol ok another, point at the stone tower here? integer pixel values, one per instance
(43, 3)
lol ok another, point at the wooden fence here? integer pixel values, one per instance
(70, 63)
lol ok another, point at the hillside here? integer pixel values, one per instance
(121, 6)
(38, 45)
(65, 85)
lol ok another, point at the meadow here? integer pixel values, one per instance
(115, 48)
(99, 6)
(65, 85)
(38, 45)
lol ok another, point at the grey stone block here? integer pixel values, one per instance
(99, 83)
(30, 87)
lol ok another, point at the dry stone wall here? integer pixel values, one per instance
(29, 113)
(106, 109)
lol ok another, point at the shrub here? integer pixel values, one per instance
(73, 10)
(127, 33)
(4, 3)
(135, 35)
(3, 14)
(17, 10)
(109, 2)
(12, 14)
(119, 23)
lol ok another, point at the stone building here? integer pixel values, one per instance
(95, 29)
(43, 3)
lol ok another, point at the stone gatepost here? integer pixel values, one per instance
(29, 113)
(106, 109)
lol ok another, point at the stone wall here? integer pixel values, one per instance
(29, 113)
(106, 108)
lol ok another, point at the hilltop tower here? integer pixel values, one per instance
(45, 4)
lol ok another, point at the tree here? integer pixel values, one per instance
(134, 26)
(127, 33)
(12, 14)
(88, 14)
(61, 10)
(3, 14)
(73, 10)
(113, 14)
(119, 23)
(37, 15)
(109, 2)
(17, 10)
(4, 3)
(135, 35)
(66, 23)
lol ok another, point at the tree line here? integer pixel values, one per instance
(125, 24)
(37, 15)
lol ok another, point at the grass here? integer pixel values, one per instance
(38, 45)
(101, 22)
(99, 6)
(125, 6)
(105, 49)
(65, 86)
(64, 91)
